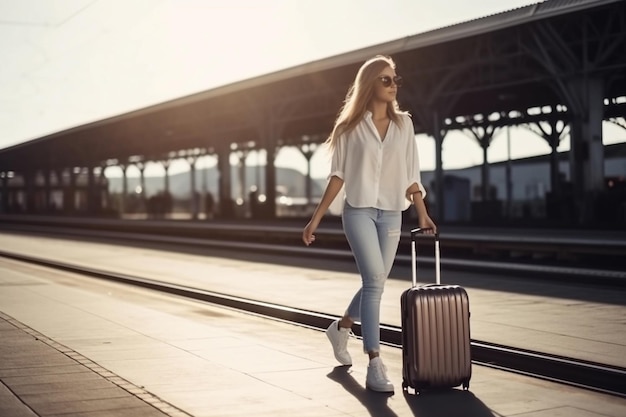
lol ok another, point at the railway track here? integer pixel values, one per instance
(285, 241)
(583, 374)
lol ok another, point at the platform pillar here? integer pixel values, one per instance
(587, 149)
(193, 198)
(47, 194)
(226, 209)
(438, 136)
(69, 192)
(124, 195)
(142, 183)
(4, 206)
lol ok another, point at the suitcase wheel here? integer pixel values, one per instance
(406, 387)
(465, 385)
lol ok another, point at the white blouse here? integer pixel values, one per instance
(377, 173)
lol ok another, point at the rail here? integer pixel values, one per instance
(564, 243)
(608, 267)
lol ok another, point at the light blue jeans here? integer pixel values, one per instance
(373, 236)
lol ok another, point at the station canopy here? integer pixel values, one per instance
(516, 67)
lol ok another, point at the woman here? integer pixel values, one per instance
(375, 157)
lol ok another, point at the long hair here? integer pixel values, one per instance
(359, 95)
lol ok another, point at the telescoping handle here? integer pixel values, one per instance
(414, 233)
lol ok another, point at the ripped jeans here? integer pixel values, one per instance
(373, 236)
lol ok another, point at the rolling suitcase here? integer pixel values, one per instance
(435, 331)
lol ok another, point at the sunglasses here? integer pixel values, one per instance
(387, 80)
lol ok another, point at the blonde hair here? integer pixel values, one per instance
(359, 95)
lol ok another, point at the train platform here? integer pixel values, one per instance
(77, 346)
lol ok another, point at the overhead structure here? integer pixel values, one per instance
(555, 61)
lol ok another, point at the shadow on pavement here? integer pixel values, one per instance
(374, 402)
(447, 403)
(436, 403)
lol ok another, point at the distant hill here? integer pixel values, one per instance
(290, 181)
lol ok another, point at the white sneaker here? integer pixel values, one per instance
(377, 379)
(338, 337)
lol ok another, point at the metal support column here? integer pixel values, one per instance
(270, 179)
(226, 209)
(4, 203)
(29, 192)
(103, 189)
(142, 183)
(508, 175)
(308, 150)
(484, 136)
(47, 194)
(439, 185)
(193, 197)
(124, 196)
(587, 149)
(69, 193)
(269, 135)
(91, 191)
(242, 156)
(166, 177)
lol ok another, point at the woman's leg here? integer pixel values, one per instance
(373, 236)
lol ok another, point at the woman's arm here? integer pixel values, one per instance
(424, 221)
(332, 189)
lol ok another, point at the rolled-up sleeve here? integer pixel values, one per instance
(413, 162)
(338, 162)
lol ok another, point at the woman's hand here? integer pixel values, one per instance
(307, 234)
(427, 224)
(332, 189)
(424, 220)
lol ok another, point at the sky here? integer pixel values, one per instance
(70, 62)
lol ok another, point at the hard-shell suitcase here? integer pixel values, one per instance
(435, 331)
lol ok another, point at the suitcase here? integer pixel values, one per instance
(435, 331)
